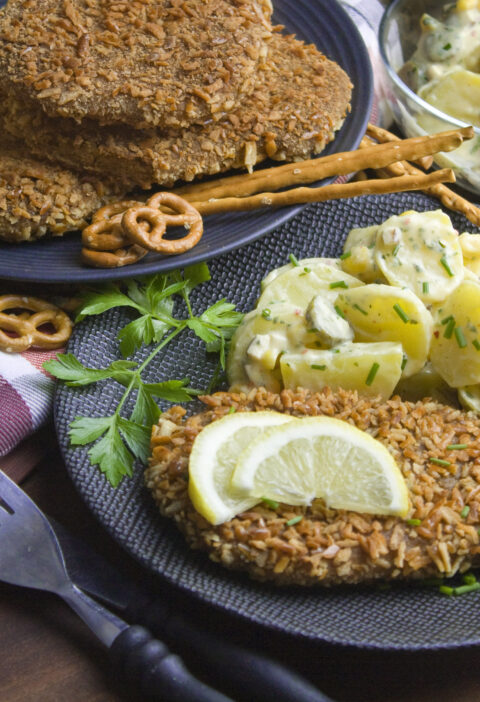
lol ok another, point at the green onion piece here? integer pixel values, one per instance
(266, 313)
(463, 589)
(294, 520)
(447, 319)
(452, 447)
(447, 47)
(345, 255)
(439, 461)
(449, 329)
(401, 313)
(446, 590)
(307, 269)
(414, 522)
(460, 337)
(293, 259)
(339, 311)
(476, 343)
(273, 504)
(464, 512)
(232, 410)
(444, 263)
(372, 373)
(357, 307)
(395, 250)
(404, 362)
(469, 579)
(315, 366)
(425, 288)
(338, 284)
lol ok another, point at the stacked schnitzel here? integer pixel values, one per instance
(150, 93)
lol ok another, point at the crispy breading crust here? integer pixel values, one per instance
(38, 198)
(141, 62)
(328, 546)
(300, 100)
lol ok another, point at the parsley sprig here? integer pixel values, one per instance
(121, 440)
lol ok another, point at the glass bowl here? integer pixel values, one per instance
(398, 38)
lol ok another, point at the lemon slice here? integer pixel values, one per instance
(213, 458)
(322, 457)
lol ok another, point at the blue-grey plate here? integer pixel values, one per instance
(322, 22)
(400, 618)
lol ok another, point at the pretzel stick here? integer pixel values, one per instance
(383, 136)
(336, 191)
(305, 172)
(447, 197)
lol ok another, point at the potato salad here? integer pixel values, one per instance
(397, 312)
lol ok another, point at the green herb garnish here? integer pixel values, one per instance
(401, 313)
(293, 259)
(445, 264)
(315, 366)
(273, 504)
(452, 447)
(464, 512)
(294, 520)
(413, 522)
(372, 373)
(338, 284)
(460, 337)
(439, 461)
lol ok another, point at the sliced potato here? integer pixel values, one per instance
(420, 251)
(455, 349)
(457, 93)
(385, 313)
(302, 263)
(470, 245)
(358, 254)
(371, 369)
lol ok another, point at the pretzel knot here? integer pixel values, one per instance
(152, 236)
(25, 325)
(113, 259)
(105, 234)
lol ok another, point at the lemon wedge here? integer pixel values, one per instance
(322, 457)
(213, 458)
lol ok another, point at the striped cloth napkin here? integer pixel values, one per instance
(26, 390)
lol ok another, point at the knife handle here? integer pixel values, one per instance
(148, 662)
(245, 674)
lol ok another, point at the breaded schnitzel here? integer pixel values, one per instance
(300, 99)
(142, 62)
(438, 537)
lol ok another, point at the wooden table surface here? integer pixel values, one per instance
(48, 655)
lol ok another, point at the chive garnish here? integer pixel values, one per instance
(357, 307)
(293, 259)
(307, 269)
(294, 520)
(452, 447)
(339, 311)
(401, 313)
(425, 288)
(444, 263)
(266, 313)
(395, 250)
(461, 341)
(476, 343)
(439, 461)
(464, 512)
(404, 362)
(446, 590)
(372, 373)
(345, 255)
(338, 284)
(273, 504)
(447, 319)
(232, 410)
(414, 522)
(315, 366)
(450, 326)
(463, 589)
(469, 579)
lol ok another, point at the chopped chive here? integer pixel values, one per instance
(339, 311)
(447, 47)
(439, 461)
(425, 288)
(401, 313)
(446, 590)
(464, 512)
(460, 337)
(463, 589)
(339, 284)
(476, 343)
(273, 504)
(395, 250)
(469, 579)
(266, 313)
(444, 263)
(307, 269)
(414, 522)
(449, 329)
(315, 366)
(447, 319)
(372, 373)
(345, 255)
(404, 362)
(452, 447)
(357, 307)
(294, 520)
(232, 410)
(293, 259)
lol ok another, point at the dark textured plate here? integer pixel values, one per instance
(322, 22)
(406, 618)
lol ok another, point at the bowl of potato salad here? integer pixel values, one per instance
(397, 313)
(431, 60)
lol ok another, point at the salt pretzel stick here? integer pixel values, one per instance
(383, 136)
(447, 197)
(305, 172)
(336, 191)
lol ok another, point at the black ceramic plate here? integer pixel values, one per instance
(322, 22)
(407, 618)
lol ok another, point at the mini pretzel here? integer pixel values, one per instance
(26, 325)
(158, 222)
(113, 259)
(115, 208)
(105, 234)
